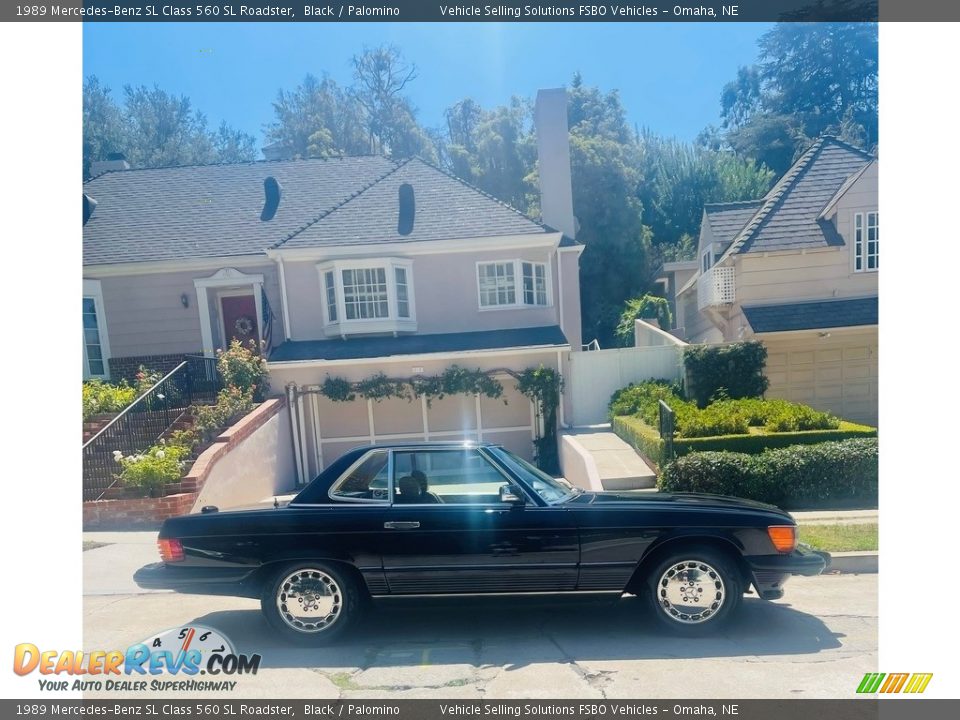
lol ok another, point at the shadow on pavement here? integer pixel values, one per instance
(514, 632)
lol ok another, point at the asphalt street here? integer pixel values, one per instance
(816, 642)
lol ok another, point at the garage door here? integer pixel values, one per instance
(327, 429)
(836, 373)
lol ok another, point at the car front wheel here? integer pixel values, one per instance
(694, 591)
(311, 602)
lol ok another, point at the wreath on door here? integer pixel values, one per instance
(244, 325)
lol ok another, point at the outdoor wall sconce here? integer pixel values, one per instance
(184, 300)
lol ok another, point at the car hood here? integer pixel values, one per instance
(664, 500)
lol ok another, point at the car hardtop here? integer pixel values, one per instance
(316, 490)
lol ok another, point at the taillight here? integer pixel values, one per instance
(784, 537)
(170, 550)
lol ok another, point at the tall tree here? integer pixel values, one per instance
(493, 149)
(811, 78)
(606, 162)
(380, 76)
(153, 128)
(679, 178)
(316, 119)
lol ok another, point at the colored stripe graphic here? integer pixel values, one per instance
(918, 682)
(894, 682)
(870, 682)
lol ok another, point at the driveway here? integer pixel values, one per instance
(817, 642)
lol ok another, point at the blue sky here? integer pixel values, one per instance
(668, 74)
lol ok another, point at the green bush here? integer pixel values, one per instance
(796, 476)
(647, 307)
(232, 403)
(643, 398)
(244, 368)
(153, 468)
(730, 371)
(100, 397)
(646, 439)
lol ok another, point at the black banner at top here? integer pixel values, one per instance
(468, 11)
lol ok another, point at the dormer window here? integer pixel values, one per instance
(711, 253)
(367, 296)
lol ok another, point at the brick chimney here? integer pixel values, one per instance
(553, 150)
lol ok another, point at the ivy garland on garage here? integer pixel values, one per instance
(542, 385)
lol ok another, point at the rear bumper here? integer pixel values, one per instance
(194, 580)
(771, 571)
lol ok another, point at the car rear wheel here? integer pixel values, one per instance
(694, 591)
(311, 602)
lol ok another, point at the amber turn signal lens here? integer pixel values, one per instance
(784, 537)
(170, 550)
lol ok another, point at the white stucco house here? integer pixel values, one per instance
(344, 267)
(797, 269)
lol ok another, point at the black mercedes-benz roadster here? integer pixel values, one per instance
(433, 518)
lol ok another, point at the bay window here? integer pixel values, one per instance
(367, 296)
(512, 284)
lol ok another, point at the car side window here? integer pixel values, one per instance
(445, 476)
(365, 481)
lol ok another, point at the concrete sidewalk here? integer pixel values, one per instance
(601, 460)
(836, 517)
(109, 570)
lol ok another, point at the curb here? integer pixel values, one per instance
(854, 562)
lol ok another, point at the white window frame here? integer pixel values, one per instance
(393, 322)
(93, 289)
(518, 303)
(861, 241)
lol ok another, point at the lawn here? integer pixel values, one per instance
(840, 537)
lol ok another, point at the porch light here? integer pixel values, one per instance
(185, 300)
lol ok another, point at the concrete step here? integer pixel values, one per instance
(597, 459)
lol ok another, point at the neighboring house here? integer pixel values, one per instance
(344, 267)
(670, 278)
(797, 269)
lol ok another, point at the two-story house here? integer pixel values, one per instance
(797, 269)
(344, 267)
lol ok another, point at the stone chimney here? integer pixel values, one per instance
(113, 163)
(553, 150)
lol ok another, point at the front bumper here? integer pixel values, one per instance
(194, 580)
(771, 571)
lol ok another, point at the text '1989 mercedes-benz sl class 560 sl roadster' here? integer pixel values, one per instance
(433, 518)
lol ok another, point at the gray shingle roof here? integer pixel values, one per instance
(447, 208)
(728, 219)
(787, 218)
(812, 315)
(213, 210)
(375, 347)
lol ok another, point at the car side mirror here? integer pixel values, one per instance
(509, 494)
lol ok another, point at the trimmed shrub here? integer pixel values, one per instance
(643, 398)
(796, 476)
(232, 403)
(728, 371)
(646, 440)
(153, 468)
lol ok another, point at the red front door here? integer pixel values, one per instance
(240, 318)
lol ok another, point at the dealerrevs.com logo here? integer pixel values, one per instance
(186, 651)
(909, 683)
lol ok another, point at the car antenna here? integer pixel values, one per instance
(276, 503)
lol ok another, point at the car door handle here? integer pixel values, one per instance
(404, 525)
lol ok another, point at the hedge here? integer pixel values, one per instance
(646, 439)
(798, 476)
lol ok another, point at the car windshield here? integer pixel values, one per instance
(549, 488)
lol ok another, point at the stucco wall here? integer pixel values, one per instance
(256, 467)
(145, 315)
(445, 294)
